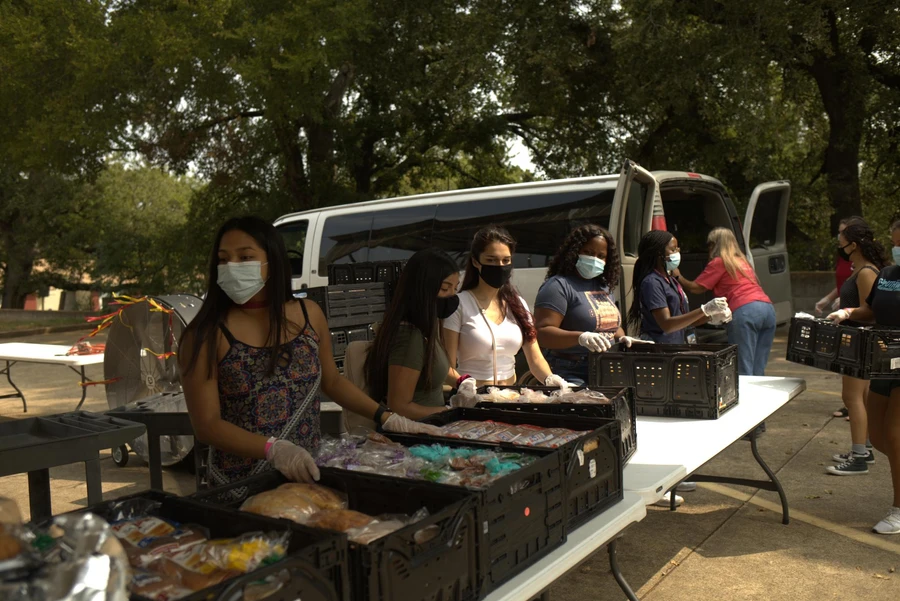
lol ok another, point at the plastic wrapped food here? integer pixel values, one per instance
(190, 579)
(148, 538)
(159, 587)
(322, 496)
(526, 395)
(340, 520)
(500, 395)
(373, 531)
(282, 502)
(582, 397)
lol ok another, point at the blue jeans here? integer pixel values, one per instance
(573, 371)
(752, 329)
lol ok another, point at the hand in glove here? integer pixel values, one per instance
(820, 306)
(294, 462)
(628, 341)
(715, 306)
(466, 388)
(721, 318)
(557, 382)
(594, 342)
(401, 425)
(839, 315)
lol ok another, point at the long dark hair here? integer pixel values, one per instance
(862, 234)
(651, 247)
(415, 302)
(508, 295)
(205, 327)
(563, 263)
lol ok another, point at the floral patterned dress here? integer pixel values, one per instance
(284, 404)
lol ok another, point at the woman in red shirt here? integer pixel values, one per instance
(729, 274)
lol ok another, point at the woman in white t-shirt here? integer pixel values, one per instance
(493, 322)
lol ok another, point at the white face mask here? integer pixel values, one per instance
(241, 281)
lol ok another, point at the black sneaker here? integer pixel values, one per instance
(842, 457)
(855, 466)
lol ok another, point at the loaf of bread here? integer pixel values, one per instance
(339, 519)
(322, 496)
(282, 502)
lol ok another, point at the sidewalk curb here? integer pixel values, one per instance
(46, 330)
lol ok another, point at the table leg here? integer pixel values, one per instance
(772, 483)
(39, 494)
(83, 387)
(617, 573)
(155, 459)
(94, 482)
(18, 392)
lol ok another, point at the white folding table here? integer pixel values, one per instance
(579, 546)
(672, 449)
(53, 354)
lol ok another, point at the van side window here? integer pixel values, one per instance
(634, 219)
(538, 222)
(294, 235)
(764, 229)
(345, 239)
(398, 233)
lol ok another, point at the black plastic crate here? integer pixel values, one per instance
(695, 381)
(850, 348)
(522, 514)
(396, 566)
(592, 464)
(621, 408)
(316, 559)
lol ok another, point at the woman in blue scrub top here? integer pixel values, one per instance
(660, 306)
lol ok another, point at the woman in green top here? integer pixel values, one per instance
(407, 364)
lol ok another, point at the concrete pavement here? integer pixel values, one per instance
(724, 542)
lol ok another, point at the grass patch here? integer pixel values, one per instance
(15, 326)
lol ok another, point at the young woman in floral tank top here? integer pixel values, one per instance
(254, 361)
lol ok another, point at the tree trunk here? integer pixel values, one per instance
(19, 264)
(843, 89)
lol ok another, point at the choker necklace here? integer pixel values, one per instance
(254, 305)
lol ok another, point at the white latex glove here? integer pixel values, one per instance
(594, 342)
(401, 425)
(820, 306)
(466, 388)
(721, 318)
(292, 461)
(628, 340)
(839, 315)
(836, 304)
(557, 382)
(716, 305)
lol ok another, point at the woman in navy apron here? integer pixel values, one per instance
(255, 359)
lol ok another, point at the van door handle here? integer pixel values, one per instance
(777, 264)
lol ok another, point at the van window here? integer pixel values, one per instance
(397, 234)
(294, 235)
(764, 229)
(538, 222)
(345, 239)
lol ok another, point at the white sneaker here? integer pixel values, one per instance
(666, 502)
(686, 487)
(890, 524)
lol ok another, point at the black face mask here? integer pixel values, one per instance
(843, 253)
(496, 275)
(447, 306)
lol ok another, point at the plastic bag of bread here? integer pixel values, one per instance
(373, 531)
(190, 579)
(282, 502)
(148, 538)
(322, 496)
(340, 520)
(156, 586)
(500, 395)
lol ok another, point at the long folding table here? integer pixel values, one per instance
(55, 354)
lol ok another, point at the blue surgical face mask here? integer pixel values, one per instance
(673, 261)
(590, 267)
(896, 254)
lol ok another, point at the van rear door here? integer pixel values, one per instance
(637, 193)
(765, 234)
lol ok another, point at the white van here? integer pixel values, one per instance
(539, 215)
